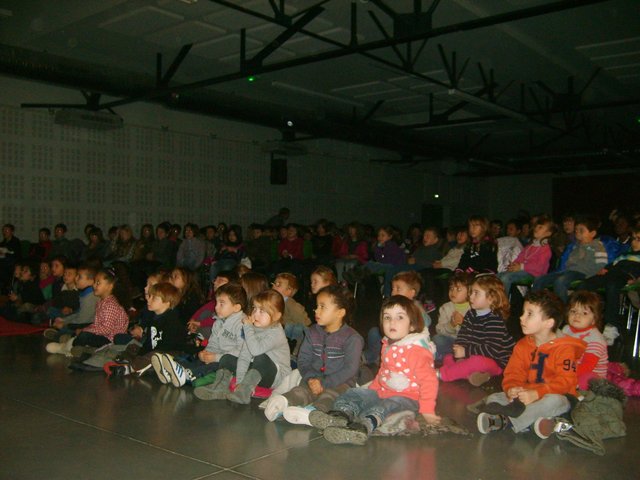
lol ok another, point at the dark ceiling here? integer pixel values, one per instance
(466, 87)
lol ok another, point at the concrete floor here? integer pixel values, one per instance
(59, 424)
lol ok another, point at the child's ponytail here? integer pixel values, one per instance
(118, 275)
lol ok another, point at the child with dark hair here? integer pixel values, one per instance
(428, 251)
(387, 254)
(451, 314)
(295, 318)
(230, 252)
(27, 294)
(353, 250)
(481, 254)
(540, 374)
(580, 260)
(328, 361)
(584, 316)
(191, 298)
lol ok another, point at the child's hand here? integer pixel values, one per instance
(514, 267)
(437, 264)
(411, 261)
(528, 396)
(513, 392)
(192, 326)
(458, 351)
(58, 323)
(315, 385)
(602, 271)
(206, 357)
(13, 297)
(136, 332)
(431, 418)
(456, 319)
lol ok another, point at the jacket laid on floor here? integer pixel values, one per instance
(547, 368)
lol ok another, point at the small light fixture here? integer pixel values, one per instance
(436, 195)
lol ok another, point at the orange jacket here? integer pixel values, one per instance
(548, 368)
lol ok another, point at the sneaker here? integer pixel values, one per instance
(322, 420)
(176, 371)
(513, 409)
(161, 372)
(275, 406)
(479, 378)
(54, 347)
(298, 415)
(610, 333)
(52, 334)
(488, 423)
(544, 427)
(354, 434)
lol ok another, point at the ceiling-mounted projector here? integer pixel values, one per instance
(95, 120)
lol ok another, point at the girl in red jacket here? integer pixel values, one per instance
(406, 380)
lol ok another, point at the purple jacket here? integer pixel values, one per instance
(389, 253)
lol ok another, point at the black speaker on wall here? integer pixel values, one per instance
(278, 171)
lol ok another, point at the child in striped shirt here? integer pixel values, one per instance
(585, 322)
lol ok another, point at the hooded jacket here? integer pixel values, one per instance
(547, 368)
(406, 370)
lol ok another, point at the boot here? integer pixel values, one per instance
(217, 390)
(244, 390)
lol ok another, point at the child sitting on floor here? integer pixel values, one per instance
(451, 314)
(295, 318)
(539, 375)
(264, 357)
(27, 295)
(406, 380)
(585, 322)
(483, 345)
(328, 362)
(225, 338)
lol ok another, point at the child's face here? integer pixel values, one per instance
(317, 282)
(151, 281)
(476, 230)
(568, 225)
(383, 237)
(156, 305)
(282, 287)
(25, 275)
(176, 280)
(58, 232)
(17, 271)
(83, 280)
(43, 236)
(45, 270)
(524, 231)
(161, 233)
(581, 316)
(496, 229)
(429, 238)
(400, 287)
(458, 293)
(188, 233)
(584, 235)
(533, 321)
(57, 268)
(69, 276)
(635, 242)
(225, 307)
(292, 233)
(396, 323)
(328, 315)
(541, 230)
(232, 237)
(462, 237)
(261, 318)
(478, 298)
(512, 230)
(101, 286)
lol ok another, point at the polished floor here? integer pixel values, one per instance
(59, 424)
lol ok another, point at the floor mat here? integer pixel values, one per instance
(9, 329)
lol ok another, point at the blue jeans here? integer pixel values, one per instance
(294, 331)
(508, 278)
(362, 402)
(560, 282)
(374, 346)
(444, 345)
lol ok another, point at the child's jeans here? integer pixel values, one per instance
(560, 282)
(455, 370)
(551, 405)
(301, 396)
(444, 345)
(508, 278)
(363, 402)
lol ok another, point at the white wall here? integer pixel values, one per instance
(167, 165)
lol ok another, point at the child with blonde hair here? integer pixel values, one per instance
(483, 344)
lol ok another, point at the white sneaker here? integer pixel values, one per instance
(54, 347)
(298, 415)
(275, 406)
(610, 334)
(161, 372)
(176, 371)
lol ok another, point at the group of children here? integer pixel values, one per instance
(246, 345)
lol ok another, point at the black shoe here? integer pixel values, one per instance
(513, 409)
